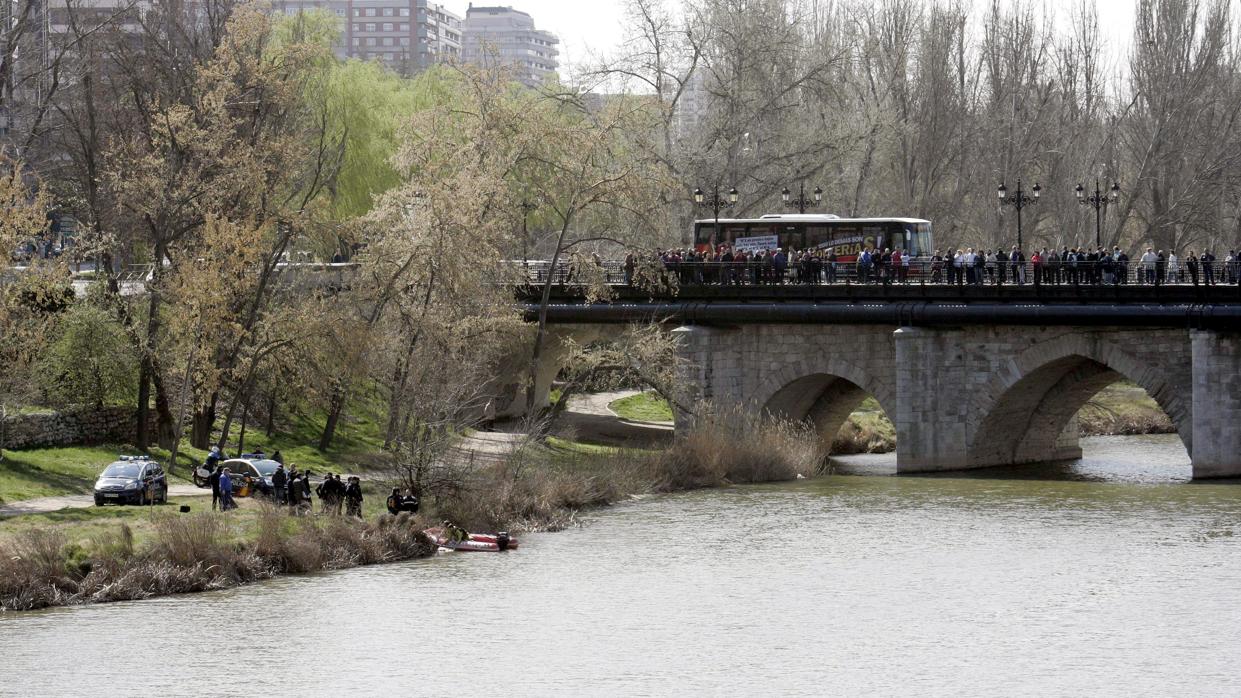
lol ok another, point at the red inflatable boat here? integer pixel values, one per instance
(477, 542)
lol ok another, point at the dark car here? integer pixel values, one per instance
(132, 480)
(250, 474)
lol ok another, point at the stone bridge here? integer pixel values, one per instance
(967, 384)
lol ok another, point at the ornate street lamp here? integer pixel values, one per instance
(801, 203)
(1018, 201)
(1099, 201)
(715, 202)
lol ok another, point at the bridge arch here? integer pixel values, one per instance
(1030, 402)
(823, 391)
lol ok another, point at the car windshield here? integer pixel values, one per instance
(127, 470)
(266, 467)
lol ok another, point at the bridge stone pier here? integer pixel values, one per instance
(975, 396)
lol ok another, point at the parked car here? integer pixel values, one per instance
(251, 474)
(132, 480)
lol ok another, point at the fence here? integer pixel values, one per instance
(921, 271)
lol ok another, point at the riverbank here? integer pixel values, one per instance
(102, 555)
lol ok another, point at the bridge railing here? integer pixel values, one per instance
(915, 272)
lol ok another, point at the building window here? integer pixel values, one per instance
(340, 12)
(357, 13)
(357, 41)
(370, 12)
(387, 26)
(403, 26)
(387, 12)
(370, 41)
(370, 26)
(387, 41)
(405, 41)
(357, 27)
(404, 11)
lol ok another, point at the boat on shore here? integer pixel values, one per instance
(475, 542)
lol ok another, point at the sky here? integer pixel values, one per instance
(589, 28)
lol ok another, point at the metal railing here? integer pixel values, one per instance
(916, 272)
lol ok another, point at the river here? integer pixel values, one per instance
(1110, 576)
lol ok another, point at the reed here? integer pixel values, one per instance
(198, 552)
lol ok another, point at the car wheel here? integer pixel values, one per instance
(163, 497)
(98, 502)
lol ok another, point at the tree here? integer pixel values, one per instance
(237, 145)
(90, 360)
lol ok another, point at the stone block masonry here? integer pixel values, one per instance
(77, 427)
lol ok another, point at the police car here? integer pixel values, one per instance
(132, 480)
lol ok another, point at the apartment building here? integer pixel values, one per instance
(504, 36)
(407, 35)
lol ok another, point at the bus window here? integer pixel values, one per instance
(918, 239)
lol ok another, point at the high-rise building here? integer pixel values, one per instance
(507, 37)
(407, 35)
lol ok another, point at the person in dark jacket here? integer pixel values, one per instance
(353, 498)
(214, 480)
(338, 494)
(394, 501)
(304, 498)
(293, 489)
(279, 480)
(410, 502)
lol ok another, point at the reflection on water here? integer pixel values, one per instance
(1111, 579)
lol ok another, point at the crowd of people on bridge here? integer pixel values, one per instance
(726, 265)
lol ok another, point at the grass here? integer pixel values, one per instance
(50, 472)
(643, 407)
(1123, 408)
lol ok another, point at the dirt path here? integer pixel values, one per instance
(44, 505)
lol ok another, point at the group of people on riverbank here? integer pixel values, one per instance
(726, 265)
(293, 488)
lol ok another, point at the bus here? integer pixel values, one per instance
(846, 236)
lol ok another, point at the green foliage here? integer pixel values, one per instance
(643, 407)
(370, 104)
(91, 361)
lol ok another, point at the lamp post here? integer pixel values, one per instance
(1018, 201)
(715, 202)
(1099, 201)
(525, 207)
(801, 203)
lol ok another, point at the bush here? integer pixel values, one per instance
(90, 362)
(194, 553)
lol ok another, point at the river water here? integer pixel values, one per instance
(1110, 576)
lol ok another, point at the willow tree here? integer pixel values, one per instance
(432, 308)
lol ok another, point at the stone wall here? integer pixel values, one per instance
(78, 427)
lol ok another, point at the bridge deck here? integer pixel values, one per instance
(1201, 307)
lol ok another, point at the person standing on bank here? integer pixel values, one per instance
(226, 491)
(279, 480)
(353, 498)
(214, 480)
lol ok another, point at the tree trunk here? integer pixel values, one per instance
(203, 422)
(271, 413)
(241, 436)
(144, 404)
(335, 409)
(165, 422)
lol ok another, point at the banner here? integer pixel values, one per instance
(765, 242)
